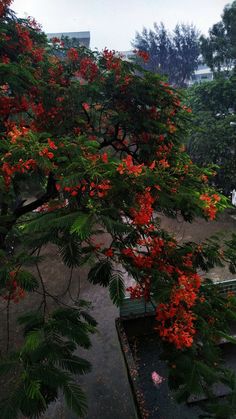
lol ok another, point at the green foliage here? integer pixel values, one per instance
(219, 48)
(70, 249)
(27, 281)
(46, 362)
(115, 226)
(117, 289)
(101, 273)
(230, 253)
(212, 137)
(75, 398)
(217, 97)
(82, 226)
(75, 365)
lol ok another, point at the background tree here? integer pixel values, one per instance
(174, 55)
(219, 48)
(90, 128)
(212, 139)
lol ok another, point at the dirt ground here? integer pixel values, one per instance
(107, 384)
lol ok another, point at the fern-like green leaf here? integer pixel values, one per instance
(75, 398)
(33, 341)
(70, 249)
(117, 289)
(114, 226)
(27, 281)
(33, 390)
(88, 318)
(75, 365)
(31, 321)
(82, 226)
(227, 337)
(101, 273)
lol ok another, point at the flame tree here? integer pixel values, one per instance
(97, 141)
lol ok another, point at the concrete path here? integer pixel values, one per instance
(107, 387)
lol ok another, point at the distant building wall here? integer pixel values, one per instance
(83, 37)
(127, 55)
(202, 74)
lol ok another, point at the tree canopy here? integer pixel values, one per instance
(174, 55)
(212, 137)
(219, 48)
(212, 134)
(96, 144)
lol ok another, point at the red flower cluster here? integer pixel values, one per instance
(46, 153)
(88, 69)
(22, 166)
(210, 208)
(186, 290)
(109, 252)
(185, 108)
(100, 189)
(140, 291)
(143, 54)
(139, 260)
(13, 291)
(128, 166)
(112, 62)
(74, 190)
(164, 163)
(34, 24)
(5, 59)
(52, 145)
(144, 214)
(176, 319)
(37, 54)
(3, 5)
(15, 133)
(164, 150)
(25, 41)
(176, 325)
(72, 54)
(55, 40)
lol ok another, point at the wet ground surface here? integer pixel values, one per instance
(159, 400)
(107, 385)
(200, 230)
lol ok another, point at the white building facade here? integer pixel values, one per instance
(82, 37)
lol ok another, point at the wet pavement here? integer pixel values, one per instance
(106, 386)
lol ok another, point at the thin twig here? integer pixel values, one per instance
(8, 323)
(68, 286)
(43, 286)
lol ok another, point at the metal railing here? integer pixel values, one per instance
(132, 307)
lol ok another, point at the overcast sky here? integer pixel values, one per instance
(113, 23)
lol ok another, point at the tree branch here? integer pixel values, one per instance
(51, 192)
